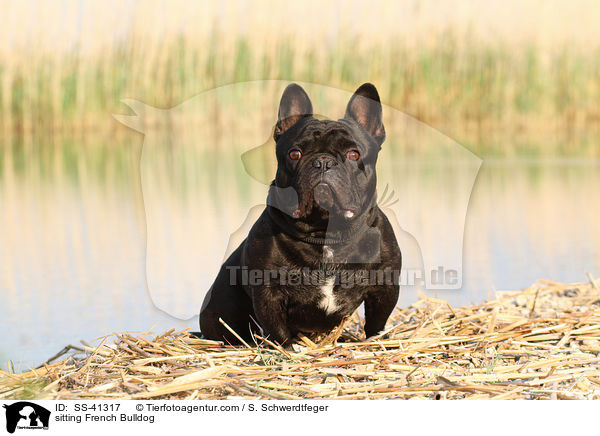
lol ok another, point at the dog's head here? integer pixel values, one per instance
(324, 166)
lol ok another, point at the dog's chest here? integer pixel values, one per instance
(327, 300)
(325, 294)
(327, 254)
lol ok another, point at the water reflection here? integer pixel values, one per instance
(73, 236)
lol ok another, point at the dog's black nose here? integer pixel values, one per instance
(324, 161)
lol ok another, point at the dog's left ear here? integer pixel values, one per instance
(293, 106)
(364, 107)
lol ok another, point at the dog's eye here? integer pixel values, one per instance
(295, 154)
(353, 155)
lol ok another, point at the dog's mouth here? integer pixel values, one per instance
(324, 196)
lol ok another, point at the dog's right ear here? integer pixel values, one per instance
(293, 106)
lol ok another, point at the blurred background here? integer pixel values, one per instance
(515, 82)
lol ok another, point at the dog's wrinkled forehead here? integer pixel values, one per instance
(325, 136)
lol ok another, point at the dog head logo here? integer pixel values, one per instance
(26, 415)
(206, 176)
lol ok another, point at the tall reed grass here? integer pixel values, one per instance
(463, 81)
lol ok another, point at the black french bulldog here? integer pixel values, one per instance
(322, 246)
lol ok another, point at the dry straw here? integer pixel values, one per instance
(539, 343)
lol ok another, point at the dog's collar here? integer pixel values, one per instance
(360, 225)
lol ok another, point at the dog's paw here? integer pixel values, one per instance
(289, 347)
(375, 337)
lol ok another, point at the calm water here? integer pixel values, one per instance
(98, 238)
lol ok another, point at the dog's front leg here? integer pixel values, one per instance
(270, 307)
(379, 303)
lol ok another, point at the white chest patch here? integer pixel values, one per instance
(327, 302)
(327, 253)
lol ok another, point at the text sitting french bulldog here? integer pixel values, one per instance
(322, 246)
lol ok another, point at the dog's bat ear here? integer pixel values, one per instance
(293, 106)
(364, 107)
